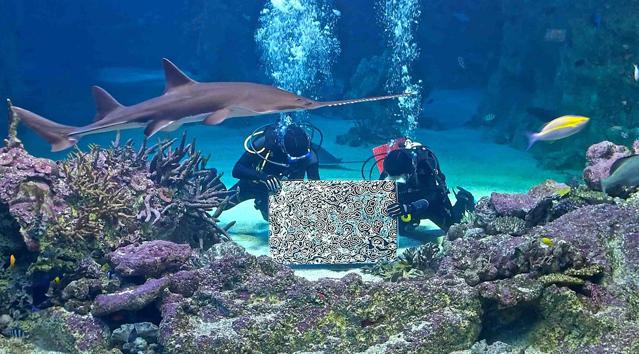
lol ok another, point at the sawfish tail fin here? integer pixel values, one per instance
(56, 134)
(359, 100)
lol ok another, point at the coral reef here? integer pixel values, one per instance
(60, 220)
(554, 269)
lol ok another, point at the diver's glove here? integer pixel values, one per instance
(396, 209)
(272, 184)
(465, 198)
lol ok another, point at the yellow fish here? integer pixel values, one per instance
(546, 241)
(558, 128)
(56, 280)
(12, 261)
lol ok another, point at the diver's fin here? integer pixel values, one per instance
(217, 117)
(104, 103)
(618, 162)
(155, 126)
(174, 76)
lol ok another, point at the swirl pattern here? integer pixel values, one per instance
(332, 222)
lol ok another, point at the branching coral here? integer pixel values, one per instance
(189, 190)
(98, 197)
(413, 263)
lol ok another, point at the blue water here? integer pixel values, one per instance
(443, 52)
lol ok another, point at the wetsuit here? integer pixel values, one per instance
(430, 184)
(252, 170)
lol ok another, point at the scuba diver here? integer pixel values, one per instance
(421, 188)
(272, 155)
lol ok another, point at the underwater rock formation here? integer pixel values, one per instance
(563, 257)
(60, 220)
(599, 159)
(129, 299)
(245, 302)
(150, 259)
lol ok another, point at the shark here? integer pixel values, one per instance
(184, 101)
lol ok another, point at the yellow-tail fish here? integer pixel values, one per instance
(12, 261)
(558, 128)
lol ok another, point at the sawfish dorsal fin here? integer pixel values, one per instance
(104, 103)
(174, 76)
(615, 165)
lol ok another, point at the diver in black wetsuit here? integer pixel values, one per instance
(422, 190)
(272, 157)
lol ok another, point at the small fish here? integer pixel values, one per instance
(636, 75)
(558, 128)
(17, 333)
(561, 192)
(546, 241)
(623, 173)
(12, 261)
(57, 280)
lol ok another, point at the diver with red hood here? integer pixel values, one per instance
(421, 188)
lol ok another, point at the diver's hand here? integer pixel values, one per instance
(272, 184)
(396, 209)
(465, 197)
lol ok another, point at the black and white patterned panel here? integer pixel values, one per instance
(332, 222)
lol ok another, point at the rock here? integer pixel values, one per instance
(476, 232)
(495, 348)
(138, 345)
(59, 330)
(247, 303)
(82, 289)
(148, 331)
(29, 188)
(599, 231)
(516, 205)
(5, 321)
(599, 158)
(519, 204)
(521, 288)
(507, 225)
(122, 334)
(456, 231)
(150, 259)
(131, 299)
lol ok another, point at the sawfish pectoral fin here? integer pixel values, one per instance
(217, 117)
(157, 125)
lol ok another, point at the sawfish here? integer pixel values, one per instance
(184, 101)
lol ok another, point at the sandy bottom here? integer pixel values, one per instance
(466, 160)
